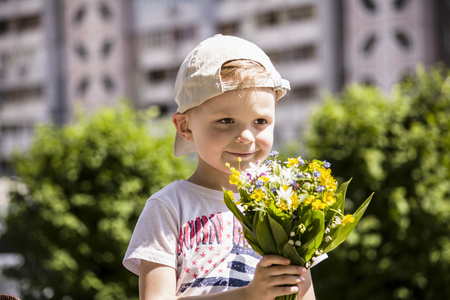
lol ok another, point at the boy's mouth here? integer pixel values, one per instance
(242, 154)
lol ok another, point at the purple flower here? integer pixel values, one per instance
(299, 175)
(327, 164)
(259, 183)
(316, 174)
(320, 188)
(250, 189)
(274, 154)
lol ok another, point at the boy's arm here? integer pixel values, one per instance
(158, 282)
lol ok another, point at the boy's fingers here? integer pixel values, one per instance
(270, 260)
(287, 280)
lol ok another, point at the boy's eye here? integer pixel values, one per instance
(226, 121)
(260, 121)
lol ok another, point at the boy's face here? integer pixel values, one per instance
(235, 124)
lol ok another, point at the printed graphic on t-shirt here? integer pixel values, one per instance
(214, 253)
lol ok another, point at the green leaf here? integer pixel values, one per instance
(282, 218)
(290, 252)
(341, 234)
(250, 239)
(235, 210)
(264, 234)
(279, 234)
(312, 237)
(340, 196)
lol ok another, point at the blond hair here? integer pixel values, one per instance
(243, 72)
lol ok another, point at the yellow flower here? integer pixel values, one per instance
(328, 198)
(265, 179)
(258, 195)
(316, 204)
(294, 200)
(293, 161)
(327, 180)
(235, 177)
(230, 193)
(309, 200)
(348, 219)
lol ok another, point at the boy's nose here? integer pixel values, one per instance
(245, 136)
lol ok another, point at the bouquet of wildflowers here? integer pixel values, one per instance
(294, 209)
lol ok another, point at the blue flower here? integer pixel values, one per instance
(273, 190)
(259, 183)
(299, 175)
(327, 164)
(274, 154)
(250, 189)
(320, 188)
(268, 162)
(316, 174)
(301, 161)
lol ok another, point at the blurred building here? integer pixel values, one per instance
(93, 52)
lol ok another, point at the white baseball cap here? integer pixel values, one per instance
(199, 79)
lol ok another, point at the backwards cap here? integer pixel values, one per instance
(199, 79)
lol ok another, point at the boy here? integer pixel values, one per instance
(186, 242)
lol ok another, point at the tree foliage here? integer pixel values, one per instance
(398, 146)
(82, 188)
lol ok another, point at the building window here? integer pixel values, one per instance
(108, 83)
(303, 92)
(369, 44)
(28, 23)
(106, 48)
(286, 15)
(161, 75)
(83, 86)
(403, 40)
(369, 5)
(368, 81)
(301, 13)
(20, 24)
(153, 40)
(270, 18)
(400, 4)
(181, 35)
(105, 12)
(157, 76)
(21, 94)
(231, 28)
(3, 27)
(81, 51)
(79, 15)
(296, 54)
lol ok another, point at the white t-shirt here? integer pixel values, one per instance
(189, 228)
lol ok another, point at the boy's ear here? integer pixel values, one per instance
(181, 122)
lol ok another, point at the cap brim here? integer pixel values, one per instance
(182, 147)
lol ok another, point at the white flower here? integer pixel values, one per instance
(255, 170)
(285, 194)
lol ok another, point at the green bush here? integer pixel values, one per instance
(398, 147)
(81, 190)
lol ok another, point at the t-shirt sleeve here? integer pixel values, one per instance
(154, 238)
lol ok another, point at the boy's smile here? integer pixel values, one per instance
(235, 124)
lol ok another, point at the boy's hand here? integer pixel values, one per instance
(275, 276)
